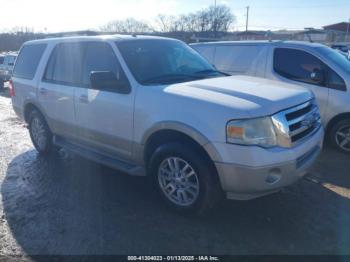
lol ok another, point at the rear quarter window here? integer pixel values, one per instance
(28, 60)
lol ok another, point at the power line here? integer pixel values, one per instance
(304, 7)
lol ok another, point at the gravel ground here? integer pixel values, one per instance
(70, 205)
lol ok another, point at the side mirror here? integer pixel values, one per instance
(318, 76)
(108, 81)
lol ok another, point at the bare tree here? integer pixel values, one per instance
(15, 37)
(167, 23)
(214, 19)
(129, 25)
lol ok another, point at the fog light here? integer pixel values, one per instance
(274, 176)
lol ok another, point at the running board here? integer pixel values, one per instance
(98, 157)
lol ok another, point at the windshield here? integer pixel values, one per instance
(336, 58)
(164, 62)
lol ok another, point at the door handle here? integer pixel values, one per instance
(43, 90)
(84, 99)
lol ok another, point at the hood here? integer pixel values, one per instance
(254, 96)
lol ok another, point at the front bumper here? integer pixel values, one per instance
(245, 182)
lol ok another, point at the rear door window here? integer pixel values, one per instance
(206, 51)
(65, 63)
(28, 61)
(237, 59)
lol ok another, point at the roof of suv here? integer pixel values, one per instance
(263, 42)
(99, 38)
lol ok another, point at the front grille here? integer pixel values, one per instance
(297, 123)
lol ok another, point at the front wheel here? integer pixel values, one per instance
(340, 136)
(184, 179)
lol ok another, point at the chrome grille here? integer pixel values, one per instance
(295, 124)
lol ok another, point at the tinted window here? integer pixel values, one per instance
(335, 81)
(164, 61)
(296, 64)
(237, 59)
(336, 58)
(64, 65)
(100, 57)
(28, 60)
(1, 60)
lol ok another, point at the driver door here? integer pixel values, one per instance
(105, 117)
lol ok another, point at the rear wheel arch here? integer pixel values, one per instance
(29, 107)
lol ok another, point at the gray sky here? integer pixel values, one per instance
(67, 15)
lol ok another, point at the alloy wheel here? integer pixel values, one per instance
(178, 181)
(342, 137)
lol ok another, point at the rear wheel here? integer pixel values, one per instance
(340, 136)
(184, 179)
(40, 133)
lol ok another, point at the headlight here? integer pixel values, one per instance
(257, 131)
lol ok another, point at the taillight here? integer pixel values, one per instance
(12, 88)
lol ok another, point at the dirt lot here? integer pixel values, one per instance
(74, 206)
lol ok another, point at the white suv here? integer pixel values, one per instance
(7, 62)
(316, 67)
(153, 106)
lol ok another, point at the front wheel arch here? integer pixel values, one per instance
(166, 136)
(336, 119)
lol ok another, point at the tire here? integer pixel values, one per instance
(40, 133)
(204, 192)
(340, 136)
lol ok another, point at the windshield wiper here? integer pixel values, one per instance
(170, 78)
(211, 71)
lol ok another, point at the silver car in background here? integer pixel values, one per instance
(316, 67)
(7, 61)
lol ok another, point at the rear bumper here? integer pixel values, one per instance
(245, 182)
(18, 111)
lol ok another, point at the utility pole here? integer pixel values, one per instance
(246, 22)
(347, 31)
(215, 22)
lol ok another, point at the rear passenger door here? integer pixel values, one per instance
(56, 90)
(105, 117)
